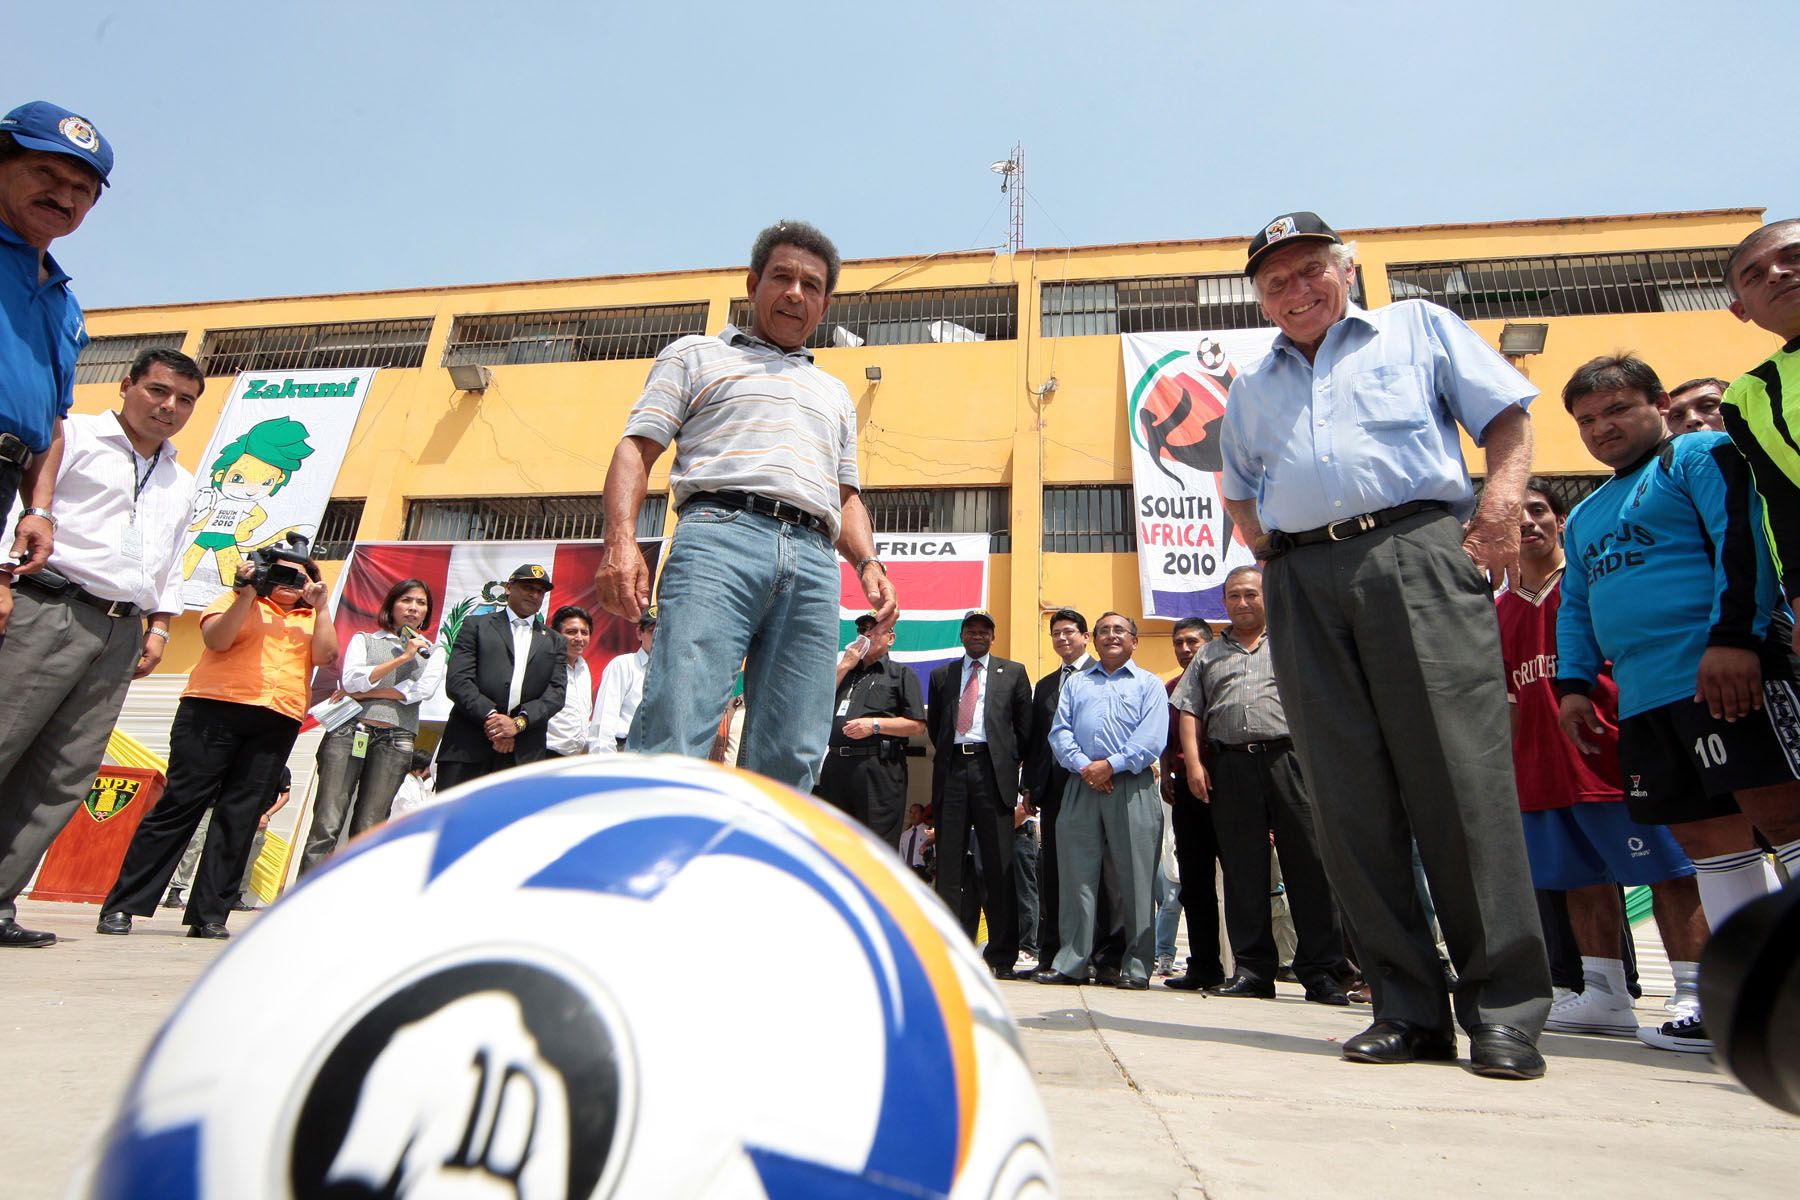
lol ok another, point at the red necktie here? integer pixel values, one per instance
(965, 707)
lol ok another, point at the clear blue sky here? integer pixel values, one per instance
(280, 149)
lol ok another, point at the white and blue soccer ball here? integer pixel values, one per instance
(625, 976)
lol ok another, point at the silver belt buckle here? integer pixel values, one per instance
(1363, 524)
(118, 608)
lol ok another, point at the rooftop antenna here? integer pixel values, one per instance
(1012, 181)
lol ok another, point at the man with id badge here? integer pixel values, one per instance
(878, 707)
(78, 633)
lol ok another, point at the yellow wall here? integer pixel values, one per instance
(942, 415)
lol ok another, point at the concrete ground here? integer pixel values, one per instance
(1152, 1093)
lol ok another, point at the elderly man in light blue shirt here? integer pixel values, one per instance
(1111, 724)
(1343, 469)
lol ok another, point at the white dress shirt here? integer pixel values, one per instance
(521, 633)
(621, 690)
(102, 516)
(978, 727)
(358, 664)
(912, 846)
(567, 732)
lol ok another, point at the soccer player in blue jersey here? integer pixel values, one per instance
(1670, 578)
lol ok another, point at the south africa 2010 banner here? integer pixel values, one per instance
(1175, 390)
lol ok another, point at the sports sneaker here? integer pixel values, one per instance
(1559, 993)
(1686, 1036)
(1682, 1007)
(1165, 964)
(1593, 1011)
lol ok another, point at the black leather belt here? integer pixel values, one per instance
(14, 451)
(1280, 541)
(855, 751)
(79, 594)
(781, 510)
(1272, 746)
(970, 748)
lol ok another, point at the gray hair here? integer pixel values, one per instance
(1343, 257)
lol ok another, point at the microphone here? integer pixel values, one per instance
(409, 633)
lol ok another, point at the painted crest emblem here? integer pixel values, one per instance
(79, 133)
(537, 572)
(1280, 228)
(110, 796)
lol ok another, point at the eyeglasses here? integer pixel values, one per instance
(1113, 631)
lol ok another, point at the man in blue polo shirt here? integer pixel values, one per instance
(1341, 443)
(53, 164)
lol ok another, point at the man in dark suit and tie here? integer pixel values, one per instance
(979, 718)
(1043, 781)
(506, 679)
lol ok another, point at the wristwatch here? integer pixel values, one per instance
(877, 726)
(39, 512)
(520, 722)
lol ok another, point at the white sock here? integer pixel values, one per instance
(1687, 981)
(1605, 974)
(1789, 856)
(1727, 882)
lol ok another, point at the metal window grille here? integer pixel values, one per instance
(304, 347)
(574, 335)
(522, 518)
(942, 510)
(337, 529)
(974, 314)
(1570, 489)
(106, 359)
(1089, 518)
(1569, 284)
(1175, 303)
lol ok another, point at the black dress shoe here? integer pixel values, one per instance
(1324, 991)
(242, 903)
(114, 923)
(1502, 1052)
(1127, 983)
(208, 929)
(1246, 985)
(1106, 976)
(1052, 975)
(1399, 1042)
(173, 899)
(1192, 982)
(1008, 972)
(14, 934)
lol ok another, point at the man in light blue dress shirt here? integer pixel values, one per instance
(1111, 725)
(1343, 470)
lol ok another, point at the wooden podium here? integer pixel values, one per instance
(84, 859)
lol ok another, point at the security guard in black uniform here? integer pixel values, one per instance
(878, 708)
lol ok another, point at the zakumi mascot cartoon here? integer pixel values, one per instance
(250, 469)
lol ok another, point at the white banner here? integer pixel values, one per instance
(268, 470)
(1175, 389)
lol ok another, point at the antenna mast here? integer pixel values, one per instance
(1012, 180)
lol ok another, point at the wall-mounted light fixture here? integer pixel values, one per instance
(872, 374)
(470, 377)
(1519, 339)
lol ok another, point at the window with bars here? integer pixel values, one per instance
(1569, 284)
(337, 530)
(942, 510)
(1089, 518)
(522, 518)
(1176, 303)
(1570, 489)
(106, 359)
(574, 335)
(975, 314)
(308, 347)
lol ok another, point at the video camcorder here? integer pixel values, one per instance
(281, 566)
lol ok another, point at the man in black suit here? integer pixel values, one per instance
(506, 679)
(979, 719)
(1043, 781)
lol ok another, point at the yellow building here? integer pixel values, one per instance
(950, 360)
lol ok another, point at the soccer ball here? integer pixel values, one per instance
(623, 976)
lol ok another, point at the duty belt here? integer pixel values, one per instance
(1271, 746)
(1280, 541)
(79, 594)
(781, 510)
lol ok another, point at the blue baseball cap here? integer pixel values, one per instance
(53, 129)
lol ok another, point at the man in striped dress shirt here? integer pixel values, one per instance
(765, 481)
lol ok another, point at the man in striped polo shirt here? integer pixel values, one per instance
(765, 482)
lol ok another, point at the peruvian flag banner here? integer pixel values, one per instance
(939, 577)
(466, 580)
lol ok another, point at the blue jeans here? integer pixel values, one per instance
(740, 587)
(1168, 914)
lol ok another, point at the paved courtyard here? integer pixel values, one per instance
(1152, 1093)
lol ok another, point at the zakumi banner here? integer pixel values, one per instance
(1176, 386)
(268, 470)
